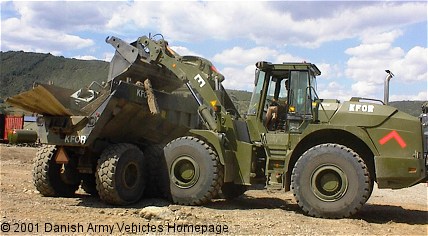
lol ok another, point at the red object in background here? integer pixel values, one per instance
(11, 123)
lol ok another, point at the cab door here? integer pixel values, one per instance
(292, 88)
(275, 136)
(275, 131)
(268, 85)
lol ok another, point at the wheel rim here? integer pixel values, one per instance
(329, 183)
(130, 175)
(184, 172)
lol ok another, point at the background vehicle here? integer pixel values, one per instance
(130, 137)
(8, 123)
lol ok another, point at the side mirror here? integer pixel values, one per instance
(315, 110)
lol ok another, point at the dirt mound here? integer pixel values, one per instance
(388, 212)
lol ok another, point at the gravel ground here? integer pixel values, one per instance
(261, 212)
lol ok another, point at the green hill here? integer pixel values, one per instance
(414, 108)
(19, 71)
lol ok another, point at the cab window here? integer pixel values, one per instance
(300, 92)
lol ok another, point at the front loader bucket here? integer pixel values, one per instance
(131, 64)
(46, 100)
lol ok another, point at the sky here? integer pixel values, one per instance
(352, 42)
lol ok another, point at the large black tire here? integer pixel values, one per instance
(158, 179)
(230, 191)
(330, 181)
(47, 174)
(195, 172)
(120, 174)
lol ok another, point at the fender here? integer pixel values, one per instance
(227, 158)
(358, 132)
(214, 139)
(362, 114)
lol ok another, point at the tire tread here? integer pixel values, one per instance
(45, 183)
(363, 198)
(218, 173)
(105, 177)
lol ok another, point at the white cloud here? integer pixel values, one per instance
(377, 50)
(413, 66)
(369, 60)
(64, 16)
(421, 96)
(333, 90)
(17, 35)
(239, 78)
(105, 57)
(239, 64)
(329, 71)
(108, 56)
(379, 38)
(51, 26)
(86, 57)
(117, 20)
(241, 56)
(266, 23)
(286, 57)
(366, 89)
(251, 32)
(183, 51)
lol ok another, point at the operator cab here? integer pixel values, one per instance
(283, 95)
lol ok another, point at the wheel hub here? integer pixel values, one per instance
(184, 172)
(329, 183)
(130, 175)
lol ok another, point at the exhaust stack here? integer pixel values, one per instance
(386, 86)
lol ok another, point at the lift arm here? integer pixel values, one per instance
(150, 57)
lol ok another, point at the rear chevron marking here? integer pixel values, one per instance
(393, 135)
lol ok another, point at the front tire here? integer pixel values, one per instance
(195, 172)
(330, 181)
(120, 175)
(47, 174)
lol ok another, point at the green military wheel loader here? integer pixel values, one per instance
(133, 137)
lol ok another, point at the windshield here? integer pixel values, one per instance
(255, 98)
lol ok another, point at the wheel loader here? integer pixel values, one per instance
(132, 136)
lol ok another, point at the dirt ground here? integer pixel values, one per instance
(24, 211)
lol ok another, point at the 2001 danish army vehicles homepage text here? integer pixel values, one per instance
(133, 137)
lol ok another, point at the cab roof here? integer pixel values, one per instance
(263, 65)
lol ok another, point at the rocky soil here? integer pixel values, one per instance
(24, 211)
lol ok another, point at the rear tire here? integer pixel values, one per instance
(120, 174)
(158, 179)
(330, 181)
(195, 172)
(47, 174)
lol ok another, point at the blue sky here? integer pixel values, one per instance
(351, 42)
